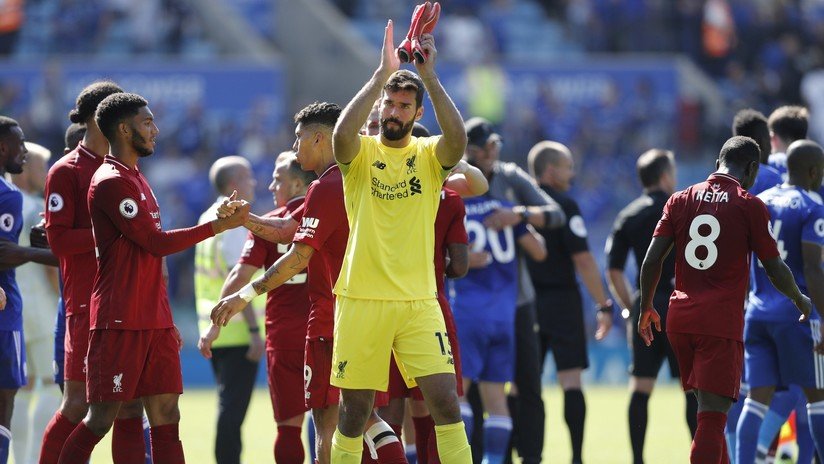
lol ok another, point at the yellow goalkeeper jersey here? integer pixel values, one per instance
(392, 197)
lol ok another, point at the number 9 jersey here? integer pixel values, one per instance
(715, 225)
(795, 218)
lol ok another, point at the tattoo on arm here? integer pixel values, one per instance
(293, 262)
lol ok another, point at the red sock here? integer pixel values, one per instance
(432, 448)
(423, 427)
(79, 446)
(54, 437)
(708, 444)
(166, 445)
(127, 441)
(288, 447)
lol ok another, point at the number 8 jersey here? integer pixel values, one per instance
(489, 293)
(715, 225)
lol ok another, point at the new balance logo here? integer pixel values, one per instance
(415, 185)
(118, 385)
(380, 165)
(341, 368)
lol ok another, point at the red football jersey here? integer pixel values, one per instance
(449, 228)
(325, 228)
(129, 292)
(715, 225)
(68, 226)
(287, 307)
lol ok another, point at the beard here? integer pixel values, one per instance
(396, 134)
(140, 145)
(14, 168)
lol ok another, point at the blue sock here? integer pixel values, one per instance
(5, 442)
(468, 419)
(147, 439)
(310, 430)
(815, 412)
(411, 453)
(732, 422)
(747, 434)
(497, 430)
(781, 406)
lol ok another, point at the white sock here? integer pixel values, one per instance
(48, 401)
(21, 425)
(379, 435)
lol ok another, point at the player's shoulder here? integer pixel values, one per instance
(635, 208)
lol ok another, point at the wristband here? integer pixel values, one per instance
(254, 330)
(247, 293)
(607, 308)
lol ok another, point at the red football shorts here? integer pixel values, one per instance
(708, 363)
(128, 364)
(285, 373)
(76, 346)
(317, 368)
(397, 385)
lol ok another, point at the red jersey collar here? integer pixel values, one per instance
(329, 169)
(721, 175)
(295, 200)
(86, 152)
(111, 159)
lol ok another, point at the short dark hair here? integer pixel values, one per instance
(652, 164)
(323, 113)
(789, 123)
(753, 124)
(802, 155)
(739, 151)
(543, 154)
(296, 170)
(89, 98)
(419, 130)
(114, 109)
(74, 134)
(6, 125)
(406, 80)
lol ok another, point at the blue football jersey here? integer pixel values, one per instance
(795, 217)
(489, 293)
(779, 162)
(767, 178)
(11, 222)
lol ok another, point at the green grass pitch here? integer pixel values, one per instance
(606, 440)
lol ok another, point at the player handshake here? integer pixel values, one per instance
(424, 19)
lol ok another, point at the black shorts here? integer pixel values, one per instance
(561, 322)
(647, 360)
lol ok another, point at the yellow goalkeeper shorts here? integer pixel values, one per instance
(367, 331)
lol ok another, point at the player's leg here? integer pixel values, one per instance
(6, 409)
(528, 416)
(354, 410)
(752, 416)
(320, 396)
(690, 401)
(74, 406)
(326, 422)
(235, 375)
(781, 405)
(12, 377)
(425, 442)
(284, 370)
(128, 440)
(641, 388)
(164, 418)
(82, 440)
(498, 424)
(380, 440)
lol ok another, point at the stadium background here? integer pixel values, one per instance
(609, 78)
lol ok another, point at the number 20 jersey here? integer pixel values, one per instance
(715, 225)
(489, 293)
(795, 217)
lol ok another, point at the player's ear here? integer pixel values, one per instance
(419, 113)
(717, 164)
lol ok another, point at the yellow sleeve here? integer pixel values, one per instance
(358, 161)
(427, 147)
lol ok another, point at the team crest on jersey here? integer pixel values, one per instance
(128, 208)
(6, 222)
(410, 165)
(819, 227)
(576, 225)
(118, 383)
(55, 202)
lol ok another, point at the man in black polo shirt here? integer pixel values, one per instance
(560, 311)
(632, 232)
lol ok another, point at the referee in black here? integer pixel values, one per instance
(632, 232)
(560, 309)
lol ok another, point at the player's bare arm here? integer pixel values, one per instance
(452, 144)
(273, 229)
(619, 287)
(13, 255)
(814, 276)
(2, 299)
(467, 180)
(346, 136)
(239, 276)
(294, 261)
(457, 260)
(783, 280)
(658, 250)
(533, 245)
(587, 269)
